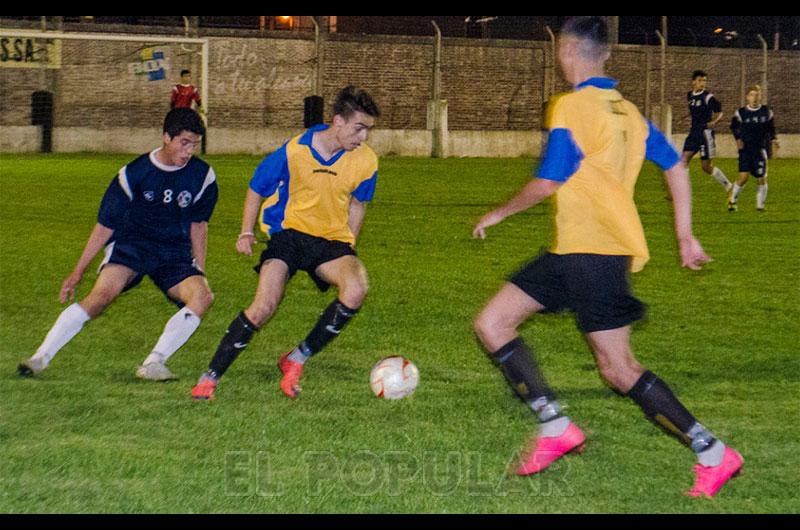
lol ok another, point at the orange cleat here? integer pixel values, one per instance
(291, 376)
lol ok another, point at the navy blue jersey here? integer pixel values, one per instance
(755, 127)
(702, 107)
(152, 202)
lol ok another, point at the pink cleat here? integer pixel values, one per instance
(711, 479)
(548, 450)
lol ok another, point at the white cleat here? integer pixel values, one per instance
(155, 372)
(31, 367)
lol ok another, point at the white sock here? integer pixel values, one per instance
(761, 196)
(177, 331)
(737, 190)
(721, 178)
(68, 324)
(299, 356)
(712, 457)
(554, 428)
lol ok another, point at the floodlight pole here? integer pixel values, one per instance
(318, 57)
(764, 69)
(665, 111)
(437, 108)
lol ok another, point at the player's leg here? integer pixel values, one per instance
(708, 153)
(618, 366)
(273, 276)
(349, 276)
(761, 194)
(196, 296)
(110, 283)
(761, 172)
(536, 287)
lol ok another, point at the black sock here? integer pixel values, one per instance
(236, 339)
(517, 363)
(660, 405)
(329, 325)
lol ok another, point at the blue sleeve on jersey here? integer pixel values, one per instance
(201, 213)
(270, 173)
(714, 105)
(562, 157)
(659, 150)
(114, 206)
(366, 191)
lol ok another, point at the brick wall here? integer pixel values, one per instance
(261, 82)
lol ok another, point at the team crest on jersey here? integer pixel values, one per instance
(149, 196)
(184, 199)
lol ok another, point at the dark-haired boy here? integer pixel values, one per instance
(153, 221)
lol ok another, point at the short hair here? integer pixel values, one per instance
(184, 72)
(182, 119)
(753, 88)
(698, 73)
(592, 32)
(351, 100)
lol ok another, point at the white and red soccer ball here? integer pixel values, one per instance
(394, 378)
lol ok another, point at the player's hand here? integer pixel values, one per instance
(692, 254)
(67, 292)
(244, 245)
(740, 145)
(488, 220)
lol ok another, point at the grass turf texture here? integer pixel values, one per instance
(87, 436)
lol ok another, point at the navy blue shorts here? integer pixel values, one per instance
(167, 266)
(304, 252)
(753, 161)
(702, 141)
(594, 287)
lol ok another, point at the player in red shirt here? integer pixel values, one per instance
(185, 93)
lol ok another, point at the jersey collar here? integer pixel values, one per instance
(308, 137)
(605, 83)
(164, 167)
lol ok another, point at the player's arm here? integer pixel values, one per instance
(247, 236)
(736, 129)
(265, 182)
(661, 152)
(199, 237)
(561, 160)
(98, 239)
(357, 212)
(716, 113)
(532, 194)
(772, 133)
(113, 209)
(358, 203)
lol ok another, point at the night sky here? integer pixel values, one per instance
(683, 30)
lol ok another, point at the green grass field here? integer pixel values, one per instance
(87, 436)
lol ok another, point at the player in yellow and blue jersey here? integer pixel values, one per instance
(153, 221)
(318, 185)
(598, 142)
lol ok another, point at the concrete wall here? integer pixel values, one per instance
(411, 143)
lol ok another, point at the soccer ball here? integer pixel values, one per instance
(394, 378)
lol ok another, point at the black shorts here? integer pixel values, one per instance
(305, 253)
(702, 141)
(167, 266)
(753, 161)
(594, 287)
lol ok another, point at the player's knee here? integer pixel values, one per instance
(620, 375)
(261, 311)
(204, 299)
(354, 293)
(487, 325)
